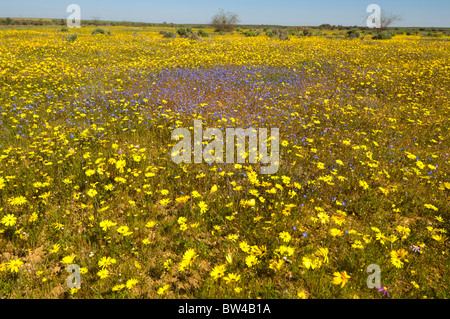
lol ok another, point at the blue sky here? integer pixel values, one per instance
(429, 13)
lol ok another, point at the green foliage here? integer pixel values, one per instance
(184, 32)
(192, 36)
(353, 33)
(64, 29)
(202, 33)
(434, 34)
(251, 33)
(98, 31)
(72, 37)
(383, 35)
(168, 34)
(280, 34)
(325, 26)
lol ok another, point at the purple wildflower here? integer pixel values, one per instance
(415, 248)
(384, 289)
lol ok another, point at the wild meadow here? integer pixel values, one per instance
(86, 175)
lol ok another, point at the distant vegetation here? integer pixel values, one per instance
(280, 32)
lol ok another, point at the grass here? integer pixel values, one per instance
(86, 175)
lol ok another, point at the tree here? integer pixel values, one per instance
(224, 21)
(387, 18)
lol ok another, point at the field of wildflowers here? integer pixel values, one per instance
(86, 175)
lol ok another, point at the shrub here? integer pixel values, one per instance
(250, 33)
(278, 33)
(412, 32)
(306, 32)
(72, 37)
(193, 36)
(184, 32)
(383, 35)
(98, 31)
(281, 34)
(353, 33)
(168, 34)
(203, 33)
(325, 27)
(434, 34)
(64, 29)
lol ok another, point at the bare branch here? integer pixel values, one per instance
(224, 21)
(387, 18)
